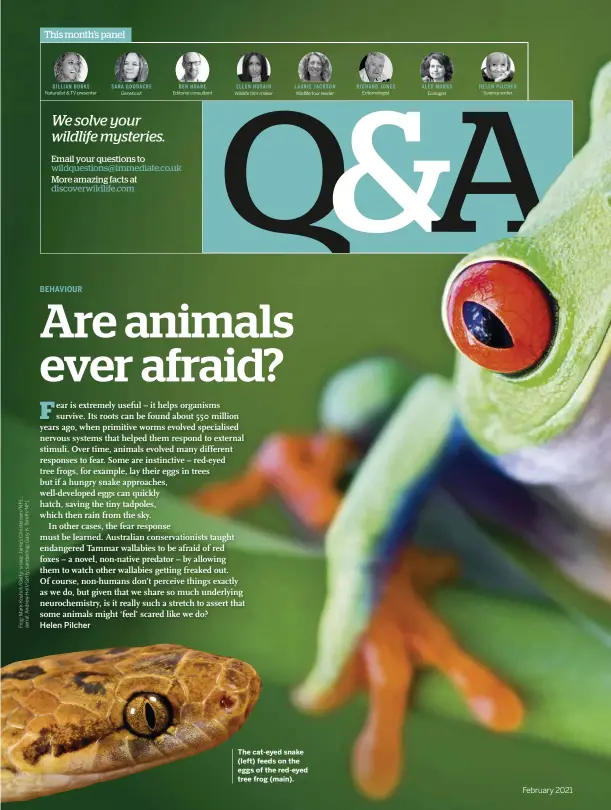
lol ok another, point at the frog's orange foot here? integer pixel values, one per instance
(229, 497)
(405, 634)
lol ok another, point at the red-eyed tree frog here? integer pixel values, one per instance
(520, 436)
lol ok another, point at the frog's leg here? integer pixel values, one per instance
(389, 488)
(377, 635)
(232, 496)
(403, 635)
(306, 474)
(303, 470)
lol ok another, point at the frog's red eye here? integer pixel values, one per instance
(500, 316)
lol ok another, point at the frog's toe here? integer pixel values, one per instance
(377, 757)
(351, 680)
(233, 495)
(493, 702)
(425, 570)
(490, 700)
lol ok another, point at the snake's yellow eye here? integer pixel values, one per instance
(147, 714)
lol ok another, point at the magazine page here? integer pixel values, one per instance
(306, 406)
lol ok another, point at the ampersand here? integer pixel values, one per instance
(414, 203)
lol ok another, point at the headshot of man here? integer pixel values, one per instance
(192, 67)
(70, 67)
(436, 67)
(253, 67)
(315, 67)
(497, 67)
(375, 67)
(131, 67)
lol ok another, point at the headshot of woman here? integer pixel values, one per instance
(253, 67)
(436, 67)
(315, 67)
(131, 67)
(497, 67)
(70, 67)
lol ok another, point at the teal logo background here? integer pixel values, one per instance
(284, 171)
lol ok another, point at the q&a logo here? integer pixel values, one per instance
(338, 187)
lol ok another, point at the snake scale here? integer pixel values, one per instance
(74, 719)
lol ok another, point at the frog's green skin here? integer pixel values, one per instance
(551, 426)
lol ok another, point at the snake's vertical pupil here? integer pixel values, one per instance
(149, 713)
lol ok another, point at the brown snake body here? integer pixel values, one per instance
(74, 719)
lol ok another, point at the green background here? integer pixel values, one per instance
(344, 307)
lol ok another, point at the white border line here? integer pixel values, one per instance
(528, 71)
(286, 42)
(40, 155)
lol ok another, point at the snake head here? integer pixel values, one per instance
(75, 719)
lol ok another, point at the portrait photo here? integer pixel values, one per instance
(192, 67)
(131, 67)
(254, 67)
(375, 67)
(436, 67)
(70, 67)
(315, 67)
(498, 67)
